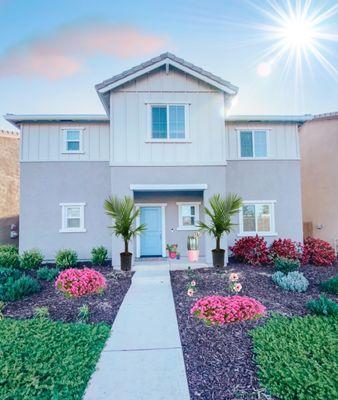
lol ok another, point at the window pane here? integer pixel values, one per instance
(73, 223)
(246, 144)
(249, 222)
(263, 218)
(73, 212)
(176, 122)
(186, 211)
(188, 221)
(73, 135)
(159, 122)
(260, 144)
(73, 146)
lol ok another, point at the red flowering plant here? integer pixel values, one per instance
(252, 250)
(289, 249)
(75, 282)
(320, 253)
(220, 310)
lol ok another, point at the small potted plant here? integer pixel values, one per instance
(172, 250)
(193, 247)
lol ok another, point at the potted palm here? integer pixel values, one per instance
(219, 213)
(124, 216)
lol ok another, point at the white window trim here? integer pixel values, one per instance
(138, 222)
(197, 215)
(64, 140)
(64, 228)
(186, 139)
(254, 129)
(272, 231)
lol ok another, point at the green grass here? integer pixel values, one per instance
(45, 360)
(297, 357)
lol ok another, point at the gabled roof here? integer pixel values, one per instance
(168, 59)
(269, 118)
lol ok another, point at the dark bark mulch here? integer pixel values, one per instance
(219, 360)
(102, 308)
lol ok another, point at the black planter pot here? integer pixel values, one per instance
(126, 259)
(218, 258)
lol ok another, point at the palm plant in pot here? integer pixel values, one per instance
(124, 215)
(219, 221)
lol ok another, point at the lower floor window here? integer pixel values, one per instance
(72, 217)
(257, 217)
(188, 215)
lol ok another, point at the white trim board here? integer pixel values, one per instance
(138, 221)
(168, 187)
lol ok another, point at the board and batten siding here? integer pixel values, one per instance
(44, 142)
(130, 121)
(283, 142)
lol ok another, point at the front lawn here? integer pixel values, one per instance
(219, 360)
(297, 358)
(46, 360)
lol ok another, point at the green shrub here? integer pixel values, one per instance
(293, 281)
(330, 286)
(9, 248)
(9, 259)
(47, 274)
(99, 255)
(45, 360)
(2, 306)
(41, 312)
(31, 259)
(16, 289)
(323, 306)
(286, 265)
(6, 273)
(66, 259)
(297, 357)
(83, 314)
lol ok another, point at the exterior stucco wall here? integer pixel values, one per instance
(270, 180)
(123, 177)
(44, 186)
(319, 149)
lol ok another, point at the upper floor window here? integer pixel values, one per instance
(73, 140)
(253, 143)
(257, 217)
(169, 122)
(72, 217)
(188, 215)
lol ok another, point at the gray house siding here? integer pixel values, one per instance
(44, 186)
(270, 180)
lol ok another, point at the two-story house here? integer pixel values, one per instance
(164, 140)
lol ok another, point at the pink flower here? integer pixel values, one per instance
(190, 292)
(237, 287)
(233, 277)
(193, 283)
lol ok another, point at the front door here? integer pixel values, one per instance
(151, 238)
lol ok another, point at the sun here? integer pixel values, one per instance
(298, 34)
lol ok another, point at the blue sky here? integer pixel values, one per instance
(52, 53)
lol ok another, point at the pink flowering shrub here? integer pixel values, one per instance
(75, 282)
(219, 310)
(287, 248)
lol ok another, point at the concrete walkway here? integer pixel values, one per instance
(143, 358)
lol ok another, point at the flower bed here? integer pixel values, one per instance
(102, 307)
(219, 359)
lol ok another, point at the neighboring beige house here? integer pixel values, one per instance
(9, 187)
(319, 166)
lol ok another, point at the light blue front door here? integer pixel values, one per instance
(151, 238)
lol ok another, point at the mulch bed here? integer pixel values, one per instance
(219, 360)
(102, 308)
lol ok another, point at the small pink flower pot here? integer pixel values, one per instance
(193, 255)
(172, 255)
